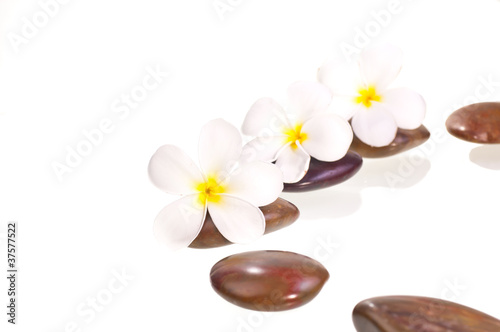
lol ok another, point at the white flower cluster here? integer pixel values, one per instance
(314, 124)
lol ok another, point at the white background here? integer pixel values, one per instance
(433, 232)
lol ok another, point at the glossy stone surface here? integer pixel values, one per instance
(419, 314)
(404, 141)
(278, 214)
(268, 280)
(323, 174)
(477, 123)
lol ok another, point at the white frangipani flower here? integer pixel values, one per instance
(291, 138)
(361, 93)
(229, 190)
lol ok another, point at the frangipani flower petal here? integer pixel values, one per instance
(258, 183)
(237, 220)
(263, 148)
(265, 118)
(171, 170)
(381, 65)
(343, 79)
(293, 162)
(375, 126)
(407, 107)
(375, 111)
(344, 107)
(328, 137)
(306, 99)
(230, 188)
(219, 148)
(179, 223)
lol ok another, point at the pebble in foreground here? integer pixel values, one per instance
(419, 314)
(278, 214)
(476, 123)
(268, 280)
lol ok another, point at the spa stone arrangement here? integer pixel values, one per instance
(318, 139)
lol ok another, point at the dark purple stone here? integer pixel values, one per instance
(323, 174)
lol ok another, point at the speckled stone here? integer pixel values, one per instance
(477, 123)
(404, 141)
(268, 280)
(419, 314)
(278, 214)
(323, 174)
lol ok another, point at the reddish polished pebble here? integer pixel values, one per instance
(405, 140)
(419, 314)
(477, 123)
(278, 214)
(268, 280)
(323, 174)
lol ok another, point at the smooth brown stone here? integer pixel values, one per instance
(278, 214)
(404, 141)
(268, 280)
(419, 314)
(477, 123)
(323, 174)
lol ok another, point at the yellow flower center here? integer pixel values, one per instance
(209, 191)
(295, 134)
(367, 95)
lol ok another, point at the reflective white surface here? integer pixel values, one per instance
(422, 223)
